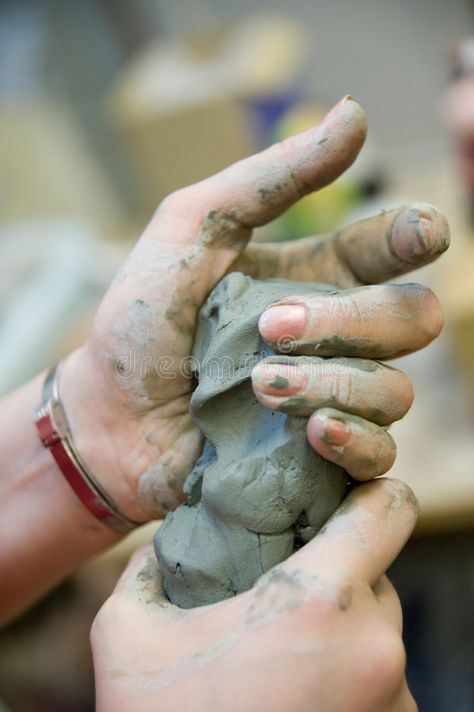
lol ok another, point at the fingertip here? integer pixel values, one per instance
(407, 394)
(345, 129)
(364, 449)
(429, 313)
(436, 316)
(356, 115)
(420, 233)
(366, 532)
(400, 500)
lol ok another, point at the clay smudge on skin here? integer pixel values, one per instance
(343, 346)
(145, 574)
(364, 365)
(182, 315)
(185, 262)
(273, 196)
(280, 383)
(344, 599)
(297, 405)
(147, 583)
(223, 230)
(278, 592)
(400, 496)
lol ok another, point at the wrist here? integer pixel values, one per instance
(48, 530)
(96, 424)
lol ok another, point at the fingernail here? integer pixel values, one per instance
(332, 432)
(337, 108)
(281, 321)
(278, 380)
(345, 99)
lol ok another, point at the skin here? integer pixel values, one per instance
(327, 615)
(132, 425)
(321, 632)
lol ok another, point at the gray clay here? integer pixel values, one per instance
(259, 491)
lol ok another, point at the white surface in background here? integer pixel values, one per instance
(50, 277)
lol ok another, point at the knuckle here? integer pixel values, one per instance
(337, 595)
(387, 653)
(101, 625)
(176, 200)
(171, 201)
(327, 597)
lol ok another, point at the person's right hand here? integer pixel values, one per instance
(320, 632)
(127, 391)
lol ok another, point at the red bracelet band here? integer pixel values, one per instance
(51, 422)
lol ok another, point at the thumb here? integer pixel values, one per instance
(364, 535)
(258, 189)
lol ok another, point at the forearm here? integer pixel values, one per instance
(45, 530)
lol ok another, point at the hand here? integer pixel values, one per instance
(320, 632)
(127, 392)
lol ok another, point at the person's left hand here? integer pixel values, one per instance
(320, 632)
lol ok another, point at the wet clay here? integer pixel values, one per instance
(259, 491)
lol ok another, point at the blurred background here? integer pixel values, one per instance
(108, 105)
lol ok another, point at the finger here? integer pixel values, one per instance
(364, 535)
(362, 448)
(373, 250)
(386, 595)
(382, 321)
(300, 386)
(393, 243)
(259, 188)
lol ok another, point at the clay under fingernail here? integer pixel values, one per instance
(332, 432)
(283, 321)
